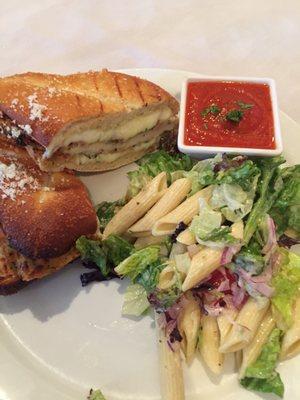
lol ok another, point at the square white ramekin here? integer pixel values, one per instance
(204, 151)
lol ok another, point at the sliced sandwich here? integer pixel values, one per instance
(16, 270)
(41, 215)
(93, 121)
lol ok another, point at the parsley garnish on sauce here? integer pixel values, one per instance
(213, 109)
(244, 106)
(234, 115)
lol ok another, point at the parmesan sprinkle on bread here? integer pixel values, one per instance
(93, 121)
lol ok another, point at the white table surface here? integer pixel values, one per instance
(224, 37)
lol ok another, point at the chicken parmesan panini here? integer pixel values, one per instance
(41, 215)
(93, 121)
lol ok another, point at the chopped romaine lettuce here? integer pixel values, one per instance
(117, 249)
(286, 209)
(230, 195)
(220, 235)
(294, 218)
(148, 278)
(251, 259)
(287, 287)
(151, 165)
(206, 221)
(95, 395)
(183, 263)
(161, 300)
(135, 300)
(106, 210)
(233, 201)
(92, 251)
(261, 375)
(202, 174)
(135, 264)
(207, 227)
(103, 256)
(242, 175)
(267, 193)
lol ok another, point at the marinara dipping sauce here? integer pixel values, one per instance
(229, 114)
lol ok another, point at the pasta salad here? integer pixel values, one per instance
(206, 245)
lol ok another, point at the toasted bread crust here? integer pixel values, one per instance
(45, 222)
(64, 100)
(16, 271)
(11, 286)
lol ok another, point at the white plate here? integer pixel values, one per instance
(58, 340)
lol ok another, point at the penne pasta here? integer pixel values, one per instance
(183, 213)
(168, 276)
(245, 327)
(237, 230)
(291, 340)
(186, 237)
(183, 263)
(137, 207)
(171, 375)
(238, 359)
(203, 263)
(253, 350)
(189, 325)
(225, 321)
(148, 241)
(209, 344)
(173, 196)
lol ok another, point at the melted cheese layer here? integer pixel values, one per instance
(111, 157)
(124, 131)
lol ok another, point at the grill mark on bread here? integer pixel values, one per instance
(118, 86)
(100, 105)
(136, 82)
(98, 92)
(95, 83)
(100, 96)
(157, 94)
(78, 100)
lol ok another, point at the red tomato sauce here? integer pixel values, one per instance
(211, 105)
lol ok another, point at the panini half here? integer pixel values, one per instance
(42, 215)
(93, 121)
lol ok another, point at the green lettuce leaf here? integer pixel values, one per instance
(96, 395)
(148, 278)
(106, 210)
(135, 300)
(92, 251)
(117, 249)
(153, 164)
(232, 200)
(135, 264)
(207, 220)
(164, 299)
(286, 209)
(202, 174)
(242, 175)
(207, 227)
(105, 255)
(261, 375)
(220, 235)
(287, 287)
(267, 194)
(250, 258)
